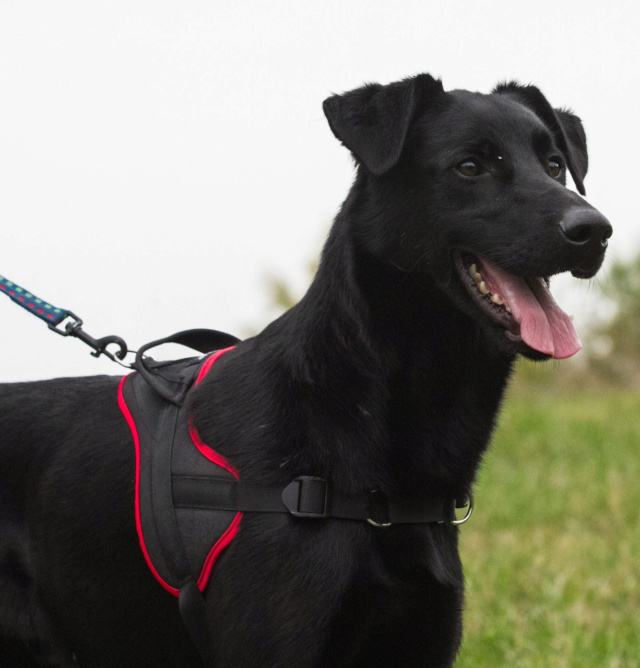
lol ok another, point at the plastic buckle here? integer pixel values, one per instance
(307, 496)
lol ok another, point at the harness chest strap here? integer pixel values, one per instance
(309, 497)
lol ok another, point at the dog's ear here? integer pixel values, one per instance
(373, 121)
(576, 139)
(566, 127)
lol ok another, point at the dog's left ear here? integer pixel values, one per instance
(566, 127)
(373, 121)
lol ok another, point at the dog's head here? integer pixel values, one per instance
(469, 191)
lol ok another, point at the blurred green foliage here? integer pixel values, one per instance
(281, 294)
(616, 352)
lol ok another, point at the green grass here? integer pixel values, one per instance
(552, 553)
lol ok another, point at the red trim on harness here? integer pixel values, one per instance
(218, 459)
(204, 449)
(209, 362)
(209, 452)
(213, 555)
(136, 442)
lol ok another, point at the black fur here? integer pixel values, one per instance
(386, 375)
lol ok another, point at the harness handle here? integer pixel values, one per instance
(170, 385)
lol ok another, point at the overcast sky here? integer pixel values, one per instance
(159, 160)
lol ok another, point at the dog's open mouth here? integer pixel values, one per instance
(523, 307)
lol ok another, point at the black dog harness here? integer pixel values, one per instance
(189, 500)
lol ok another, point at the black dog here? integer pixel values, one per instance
(388, 375)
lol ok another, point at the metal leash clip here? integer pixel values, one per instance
(73, 327)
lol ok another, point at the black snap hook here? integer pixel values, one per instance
(73, 327)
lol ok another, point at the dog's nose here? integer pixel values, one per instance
(586, 227)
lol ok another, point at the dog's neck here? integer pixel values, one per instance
(372, 380)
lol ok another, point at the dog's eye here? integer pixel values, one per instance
(555, 168)
(469, 168)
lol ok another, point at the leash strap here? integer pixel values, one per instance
(55, 316)
(40, 308)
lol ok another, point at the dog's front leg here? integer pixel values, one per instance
(278, 589)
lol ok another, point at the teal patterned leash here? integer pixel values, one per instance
(31, 303)
(54, 316)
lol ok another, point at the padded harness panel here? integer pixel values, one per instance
(180, 544)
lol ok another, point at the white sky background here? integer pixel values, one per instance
(158, 160)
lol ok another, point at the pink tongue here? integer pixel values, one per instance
(544, 326)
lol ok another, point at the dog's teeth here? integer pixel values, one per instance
(508, 308)
(496, 300)
(477, 277)
(482, 286)
(473, 269)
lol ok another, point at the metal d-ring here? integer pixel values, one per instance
(468, 515)
(378, 524)
(372, 522)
